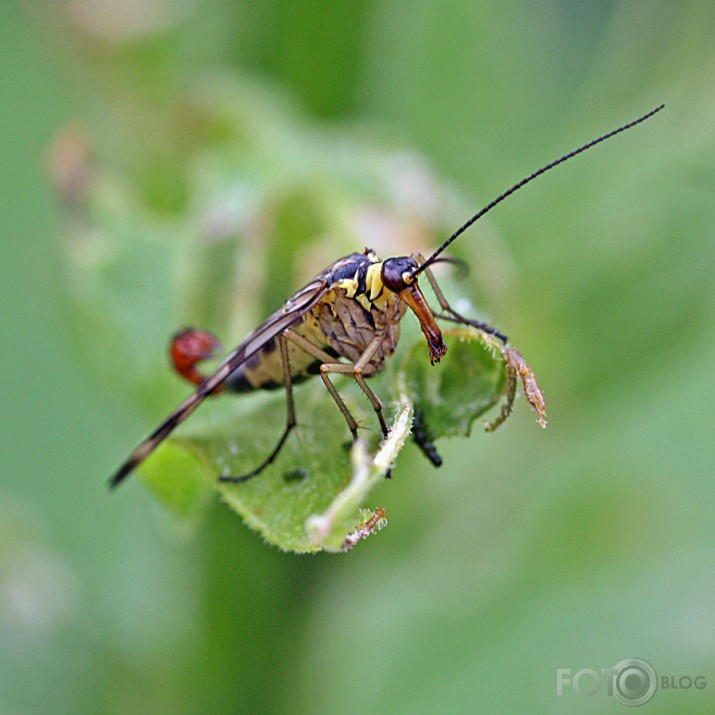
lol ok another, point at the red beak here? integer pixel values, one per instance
(413, 297)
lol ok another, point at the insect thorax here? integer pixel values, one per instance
(357, 308)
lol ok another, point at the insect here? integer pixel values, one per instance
(346, 321)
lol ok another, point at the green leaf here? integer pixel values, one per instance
(468, 381)
(313, 496)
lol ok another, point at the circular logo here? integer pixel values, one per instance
(635, 681)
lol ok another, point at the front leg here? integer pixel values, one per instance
(516, 366)
(449, 313)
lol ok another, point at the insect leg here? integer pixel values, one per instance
(326, 359)
(290, 420)
(355, 370)
(515, 364)
(449, 312)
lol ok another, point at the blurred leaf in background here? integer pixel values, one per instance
(528, 551)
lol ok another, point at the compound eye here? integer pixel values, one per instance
(397, 273)
(392, 275)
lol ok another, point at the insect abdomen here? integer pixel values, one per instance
(264, 369)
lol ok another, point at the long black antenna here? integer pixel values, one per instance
(529, 178)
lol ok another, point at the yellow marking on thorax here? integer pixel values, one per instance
(375, 295)
(349, 285)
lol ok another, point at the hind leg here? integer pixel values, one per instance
(290, 420)
(448, 312)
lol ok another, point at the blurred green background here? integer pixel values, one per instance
(527, 551)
